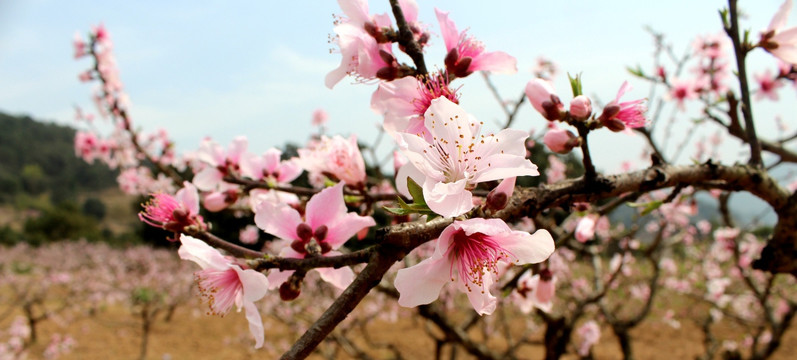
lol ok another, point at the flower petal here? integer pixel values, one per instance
(448, 199)
(421, 284)
(201, 253)
(480, 298)
(325, 207)
(279, 220)
(497, 62)
(340, 278)
(254, 283)
(345, 227)
(448, 30)
(529, 248)
(255, 323)
(208, 178)
(188, 197)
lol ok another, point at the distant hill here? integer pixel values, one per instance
(38, 157)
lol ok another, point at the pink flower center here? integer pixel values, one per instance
(159, 210)
(476, 255)
(221, 288)
(433, 87)
(468, 46)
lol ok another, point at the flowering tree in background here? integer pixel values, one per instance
(453, 213)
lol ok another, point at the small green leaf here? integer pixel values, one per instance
(575, 84)
(415, 191)
(647, 207)
(636, 71)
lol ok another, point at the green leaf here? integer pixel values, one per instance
(636, 71)
(647, 207)
(575, 84)
(415, 191)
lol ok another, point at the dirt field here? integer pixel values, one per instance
(115, 334)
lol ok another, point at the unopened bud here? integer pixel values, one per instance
(289, 291)
(581, 107)
(499, 197)
(560, 141)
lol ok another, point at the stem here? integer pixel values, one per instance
(741, 52)
(411, 47)
(589, 168)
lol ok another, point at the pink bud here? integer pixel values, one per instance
(542, 97)
(560, 141)
(581, 107)
(320, 117)
(499, 197)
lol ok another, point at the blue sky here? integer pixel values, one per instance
(222, 69)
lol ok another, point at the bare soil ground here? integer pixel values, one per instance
(115, 333)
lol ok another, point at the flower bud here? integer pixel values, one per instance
(581, 107)
(499, 197)
(542, 97)
(289, 291)
(560, 141)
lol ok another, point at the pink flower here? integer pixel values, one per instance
(618, 115)
(585, 230)
(536, 291)
(543, 98)
(249, 235)
(581, 107)
(335, 156)
(365, 52)
(767, 86)
(556, 169)
(404, 101)
(782, 43)
(470, 250)
(712, 46)
(219, 163)
(466, 54)
(681, 91)
(320, 117)
(78, 45)
(325, 227)
(224, 284)
(560, 141)
(590, 334)
(268, 167)
(174, 213)
(458, 158)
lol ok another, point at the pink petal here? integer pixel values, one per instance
(255, 323)
(340, 278)
(626, 87)
(208, 178)
(529, 248)
(448, 30)
(448, 199)
(237, 148)
(781, 16)
(410, 10)
(504, 166)
(188, 197)
(345, 227)
(277, 277)
(325, 207)
(481, 299)
(279, 220)
(289, 170)
(421, 284)
(497, 62)
(254, 283)
(355, 10)
(201, 253)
